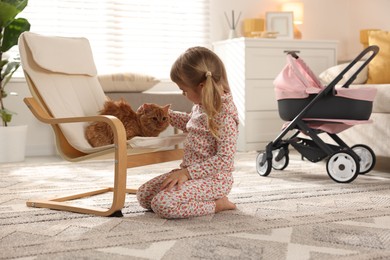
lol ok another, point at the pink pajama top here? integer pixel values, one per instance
(204, 155)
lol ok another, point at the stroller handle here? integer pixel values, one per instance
(374, 51)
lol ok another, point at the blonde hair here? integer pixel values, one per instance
(200, 65)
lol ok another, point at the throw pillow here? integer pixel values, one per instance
(379, 67)
(330, 74)
(127, 82)
(364, 36)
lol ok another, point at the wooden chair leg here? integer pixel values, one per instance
(119, 192)
(62, 203)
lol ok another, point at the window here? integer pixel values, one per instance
(127, 35)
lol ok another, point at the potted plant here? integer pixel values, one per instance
(10, 30)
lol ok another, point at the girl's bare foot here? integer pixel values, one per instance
(224, 204)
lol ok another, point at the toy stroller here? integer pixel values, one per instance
(311, 109)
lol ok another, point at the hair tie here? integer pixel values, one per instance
(208, 74)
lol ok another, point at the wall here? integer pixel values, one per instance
(366, 15)
(338, 20)
(40, 138)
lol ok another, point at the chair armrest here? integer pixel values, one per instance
(44, 117)
(118, 129)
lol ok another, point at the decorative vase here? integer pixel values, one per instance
(232, 34)
(13, 143)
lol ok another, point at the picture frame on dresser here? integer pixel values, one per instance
(280, 22)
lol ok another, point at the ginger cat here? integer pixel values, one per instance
(149, 120)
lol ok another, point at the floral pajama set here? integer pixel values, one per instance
(210, 163)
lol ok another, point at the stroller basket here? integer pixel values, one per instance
(309, 149)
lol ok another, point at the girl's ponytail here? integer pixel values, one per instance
(212, 102)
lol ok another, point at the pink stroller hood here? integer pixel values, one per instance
(296, 81)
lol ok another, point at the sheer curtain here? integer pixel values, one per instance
(143, 36)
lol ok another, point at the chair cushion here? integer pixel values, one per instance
(61, 54)
(65, 91)
(63, 73)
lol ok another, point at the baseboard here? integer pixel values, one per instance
(40, 150)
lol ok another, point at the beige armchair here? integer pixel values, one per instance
(66, 94)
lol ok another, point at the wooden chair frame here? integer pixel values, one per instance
(122, 160)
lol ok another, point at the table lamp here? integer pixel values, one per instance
(297, 9)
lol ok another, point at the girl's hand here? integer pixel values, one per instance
(177, 177)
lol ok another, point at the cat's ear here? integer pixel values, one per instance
(143, 108)
(166, 108)
(140, 109)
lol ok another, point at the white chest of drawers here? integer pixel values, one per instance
(251, 66)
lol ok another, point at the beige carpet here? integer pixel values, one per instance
(298, 213)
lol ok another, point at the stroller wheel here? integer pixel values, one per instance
(279, 163)
(342, 167)
(366, 156)
(263, 168)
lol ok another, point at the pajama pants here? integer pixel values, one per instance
(194, 198)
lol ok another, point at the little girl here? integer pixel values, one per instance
(201, 185)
